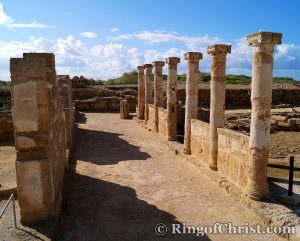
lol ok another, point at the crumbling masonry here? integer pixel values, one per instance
(40, 140)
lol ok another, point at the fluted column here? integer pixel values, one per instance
(148, 89)
(172, 97)
(141, 92)
(191, 102)
(217, 98)
(261, 96)
(158, 89)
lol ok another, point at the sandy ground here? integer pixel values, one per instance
(124, 180)
(7, 163)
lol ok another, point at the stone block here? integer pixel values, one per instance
(124, 110)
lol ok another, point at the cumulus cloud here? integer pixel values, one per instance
(241, 55)
(158, 36)
(10, 23)
(75, 57)
(90, 35)
(287, 56)
(114, 30)
(4, 18)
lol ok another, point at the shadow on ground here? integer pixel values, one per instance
(96, 209)
(104, 148)
(99, 210)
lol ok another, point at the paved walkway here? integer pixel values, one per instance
(123, 180)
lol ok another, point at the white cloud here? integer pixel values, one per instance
(28, 25)
(4, 19)
(10, 23)
(90, 35)
(241, 55)
(114, 30)
(75, 57)
(287, 56)
(159, 36)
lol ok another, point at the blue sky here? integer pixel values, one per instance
(108, 37)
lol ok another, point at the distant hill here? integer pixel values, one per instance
(132, 78)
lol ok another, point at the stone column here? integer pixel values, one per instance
(158, 89)
(261, 97)
(172, 97)
(191, 101)
(217, 98)
(141, 92)
(148, 89)
(124, 109)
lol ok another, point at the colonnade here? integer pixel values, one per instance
(261, 95)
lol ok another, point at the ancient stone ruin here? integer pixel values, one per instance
(241, 158)
(42, 119)
(225, 129)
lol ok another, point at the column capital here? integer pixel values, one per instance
(172, 60)
(264, 37)
(158, 63)
(219, 49)
(140, 68)
(148, 66)
(196, 56)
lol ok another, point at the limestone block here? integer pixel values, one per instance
(23, 142)
(34, 188)
(279, 118)
(124, 110)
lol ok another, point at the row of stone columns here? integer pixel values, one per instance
(145, 93)
(261, 95)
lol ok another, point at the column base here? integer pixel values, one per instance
(213, 167)
(186, 148)
(257, 192)
(171, 138)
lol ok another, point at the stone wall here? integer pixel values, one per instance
(240, 97)
(66, 98)
(90, 93)
(39, 136)
(151, 116)
(233, 155)
(233, 150)
(200, 139)
(162, 122)
(104, 104)
(6, 127)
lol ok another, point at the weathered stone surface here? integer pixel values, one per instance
(39, 136)
(6, 126)
(261, 95)
(233, 156)
(148, 88)
(264, 37)
(66, 98)
(191, 103)
(200, 139)
(158, 89)
(217, 97)
(124, 109)
(141, 92)
(172, 97)
(162, 122)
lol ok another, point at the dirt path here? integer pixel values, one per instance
(123, 180)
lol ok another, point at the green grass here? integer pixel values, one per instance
(131, 78)
(4, 85)
(233, 79)
(282, 80)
